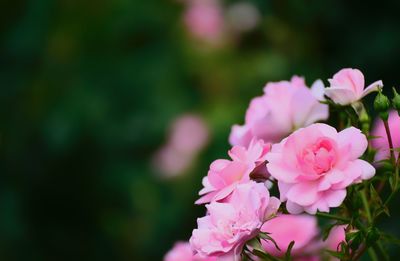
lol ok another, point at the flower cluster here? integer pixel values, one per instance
(316, 170)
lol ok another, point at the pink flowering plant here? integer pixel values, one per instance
(308, 176)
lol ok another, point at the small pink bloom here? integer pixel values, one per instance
(314, 165)
(170, 162)
(231, 223)
(347, 86)
(182, 251)
(204, 20)
(302, 229)
(189, 134)
(285, 106)
(224, 175)
(381, 142)
(336, 236)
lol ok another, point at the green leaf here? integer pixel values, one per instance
(373, 235)
(377, 203)
(266, 236)
(371, 137)
(390, 239)
(264, 255)
(339, 255)
(354, 239)
(288, 251)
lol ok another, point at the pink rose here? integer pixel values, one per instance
(224, 175)
(230, 224)
(314, 165)
(182, 251)
(381, 143)
(204, 20)
(285, 106)
(188, 135)
(302, 229)
(347, 86)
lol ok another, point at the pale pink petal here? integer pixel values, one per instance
(283, 190)
(356, 139)
(340, 95)
(206, 198)
(279, 172)
(368, 171)
(294, 208)
(318, 90)
(221, 211)
(335, 198)
(304, 193)
(273, 206)
(240, 135)
(327, 130)
(372, 88)
(207, 187)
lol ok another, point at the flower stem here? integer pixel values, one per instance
(366, 205)
(334, 217)
(372, 254)
(389, 138)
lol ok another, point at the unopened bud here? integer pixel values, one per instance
(372, 235)
(396, 100)
(381, 105)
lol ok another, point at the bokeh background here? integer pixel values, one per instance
(92, 92)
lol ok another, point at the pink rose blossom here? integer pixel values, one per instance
(381, 143)
(314, 165)
(188, 135)
(347, 86)
(285, 106)
(204, 20)
(231, 223)
(182, 251)
(302, 229)
(224, 175)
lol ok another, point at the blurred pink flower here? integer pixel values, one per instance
(188, 135)
(229, 224)
(285, 106)
(381, 143)
(204, 19)
(224, 175)
(314, 165)
(171, 162)
(182, 251)
(302, 229)
(347, 86)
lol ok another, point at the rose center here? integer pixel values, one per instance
(319, 157)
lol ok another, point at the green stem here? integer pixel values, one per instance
(379, 246)
(334, 217)
(366, 205)
(372, 254)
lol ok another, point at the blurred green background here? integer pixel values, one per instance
(88, 91)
